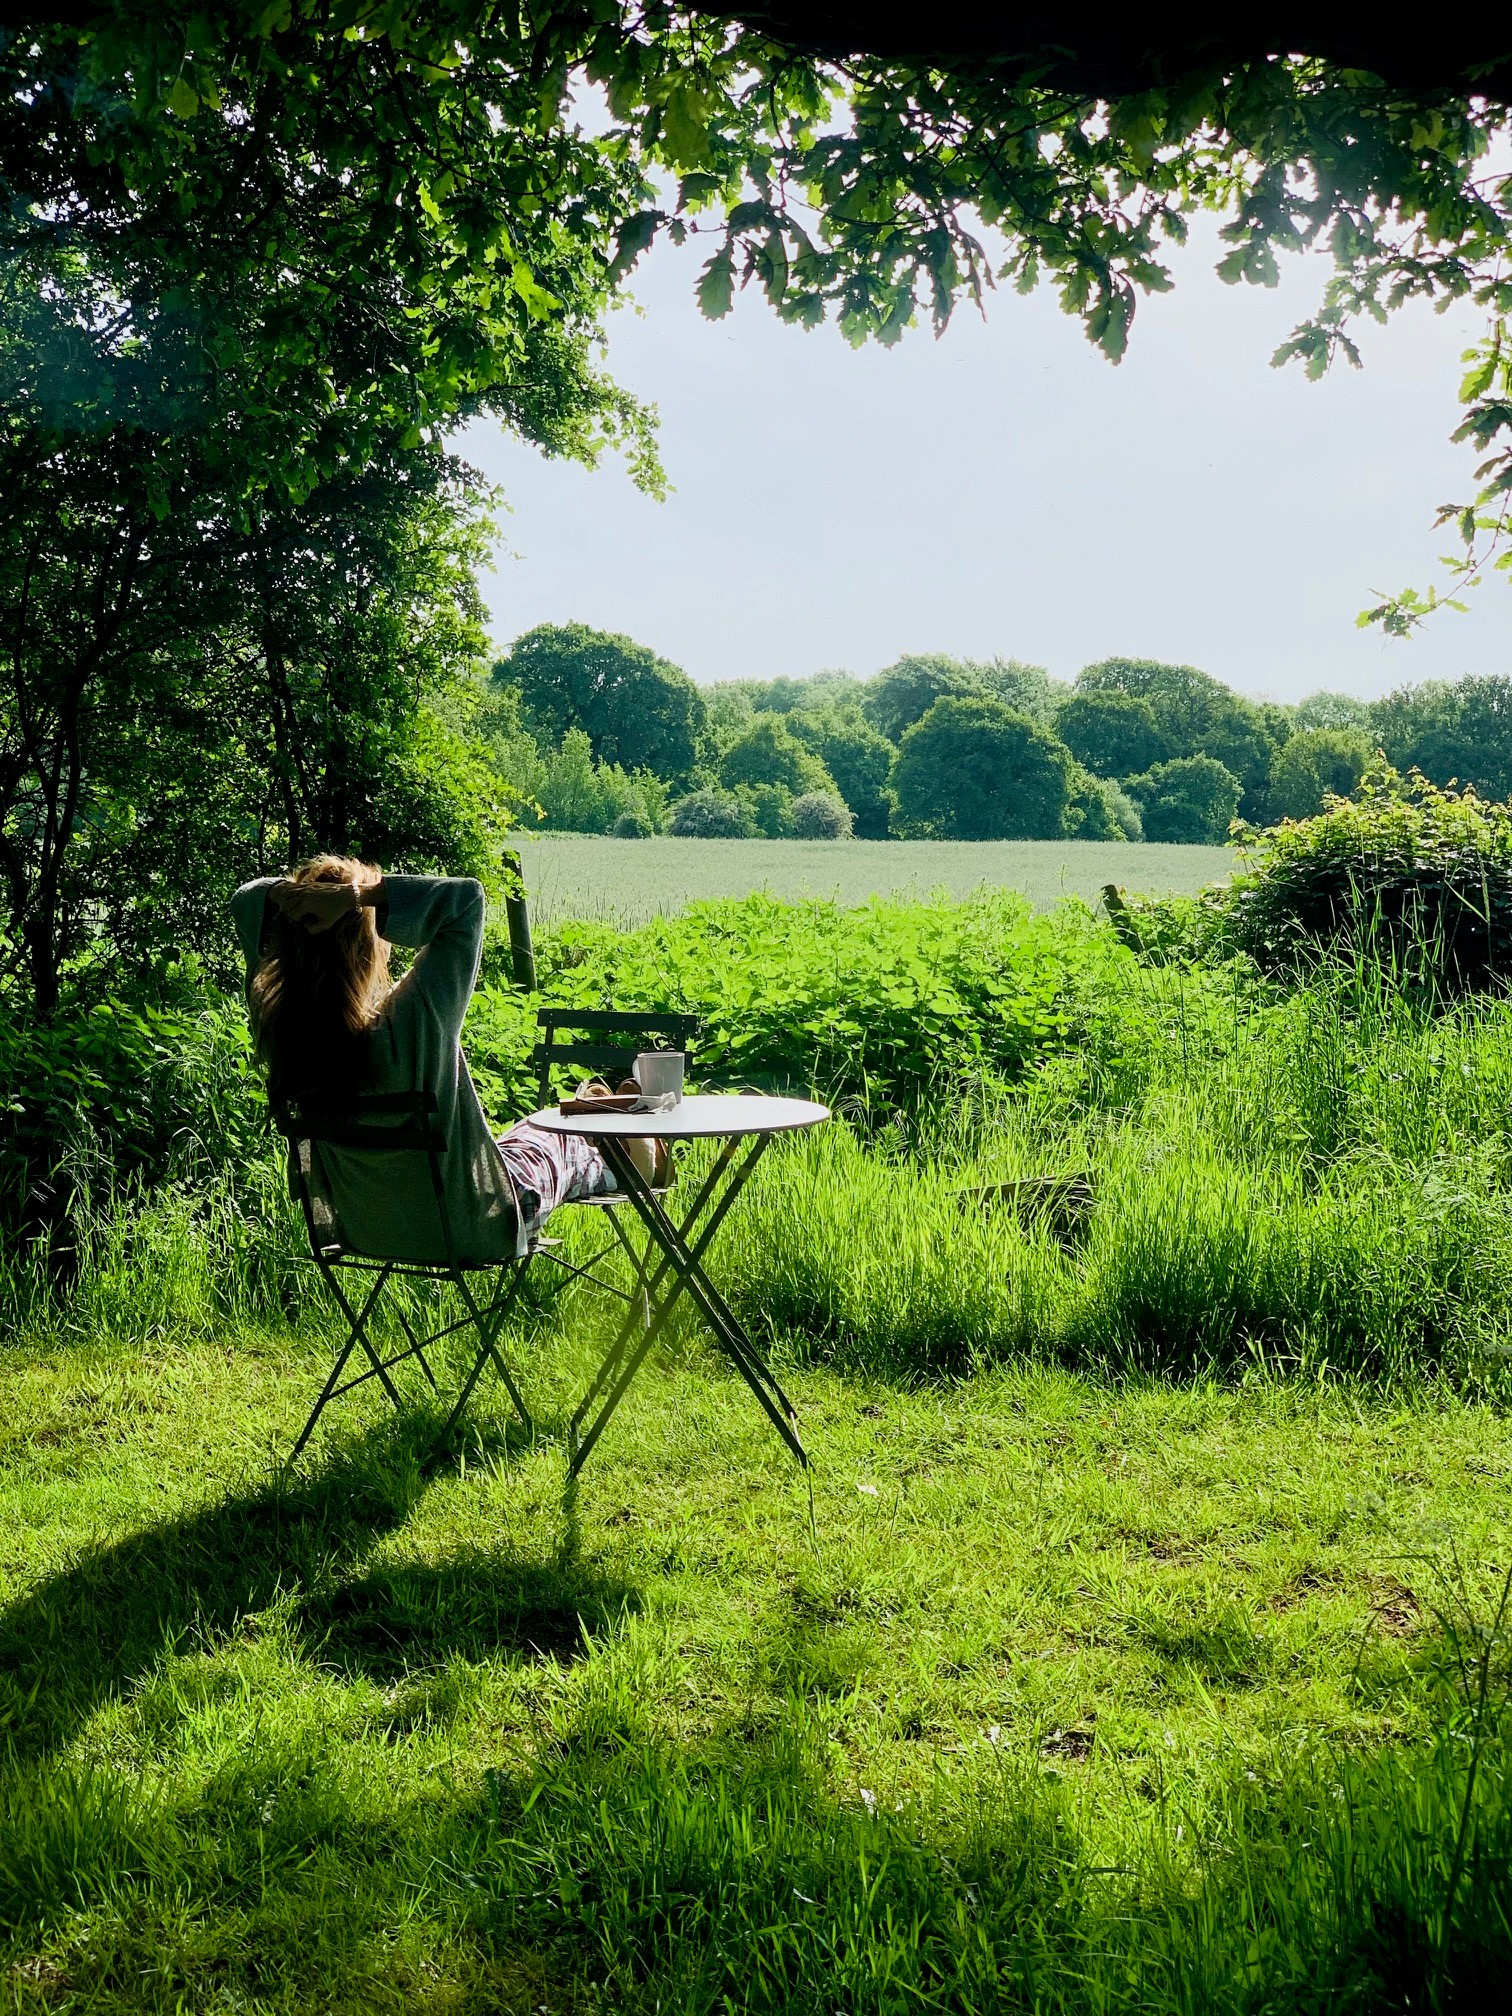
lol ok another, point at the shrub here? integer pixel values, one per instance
(820, 815)
(1316, 764)
(711, 815)
(1193, 800)
(1098, 810)
(1414, 874)
(634, 824)
(885, 999)
(768, 753)
(972, 769)
(119, 1093)
(1115, 734)
(768, 810)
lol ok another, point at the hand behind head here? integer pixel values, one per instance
(315, 905)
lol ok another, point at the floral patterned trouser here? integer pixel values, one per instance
(548, 1169)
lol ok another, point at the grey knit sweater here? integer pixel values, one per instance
(384, 1205)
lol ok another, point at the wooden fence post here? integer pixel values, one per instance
(517, 912)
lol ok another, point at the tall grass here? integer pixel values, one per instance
(1311, 1181)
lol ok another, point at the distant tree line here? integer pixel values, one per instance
(607, 737)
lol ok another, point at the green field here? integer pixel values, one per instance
(626, 881)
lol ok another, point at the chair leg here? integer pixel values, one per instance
(356, 1320)
(417, 1348)
(488, 1324)
(638, 1262)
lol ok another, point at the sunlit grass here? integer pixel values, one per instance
(386, 1736)
(1132, 1653)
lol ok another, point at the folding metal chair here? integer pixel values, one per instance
(394, 1124)
(615, 1061)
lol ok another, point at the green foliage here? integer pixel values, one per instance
(1458, 733)
(899, 164)
(1333, 710)
(820, 815)
(634, 824)
(1317, 763)
(1100, 810)
(117, 1094)
(637, 710)
(728, 714)
(711, 815)
(905, 691)
(198, 700)
(1193, 799)
(769, 754)
(1027, 689)
(856, 756)
(1483, 522)
(1113, 733)
(886, 998)
(1407, 873)
(1197, 715)
(768, 810)
(971, 769)
(821, 692)
(581, 795)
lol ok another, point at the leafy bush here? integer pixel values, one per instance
(635, 824)
(1192, 799)
(1316, 764)
(820, 815)
(1408, 872)
(1100, 810)
(579, 794)
(887, 999)
(711, 815)
(768, 810)
(117, 1095)
(972, 769)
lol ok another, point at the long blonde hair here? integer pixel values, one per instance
(316, 995)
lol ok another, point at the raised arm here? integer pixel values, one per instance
(249, 907)
(443, 916)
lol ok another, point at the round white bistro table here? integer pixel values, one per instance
(745, 1123)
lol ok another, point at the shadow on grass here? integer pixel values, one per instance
(88, 1635)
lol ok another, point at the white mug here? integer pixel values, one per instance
(658, 1072)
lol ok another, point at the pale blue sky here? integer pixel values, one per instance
(1004, 491)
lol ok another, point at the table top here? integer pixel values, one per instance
(701, 1114)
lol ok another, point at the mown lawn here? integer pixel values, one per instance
(625, 882)
(995, 1714)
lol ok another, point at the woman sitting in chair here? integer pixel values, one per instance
(328, 1025)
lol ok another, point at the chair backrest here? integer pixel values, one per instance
(637, 1032)
(373, 1123)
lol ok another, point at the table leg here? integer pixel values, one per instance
(684, 1262)
(700, 1202)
